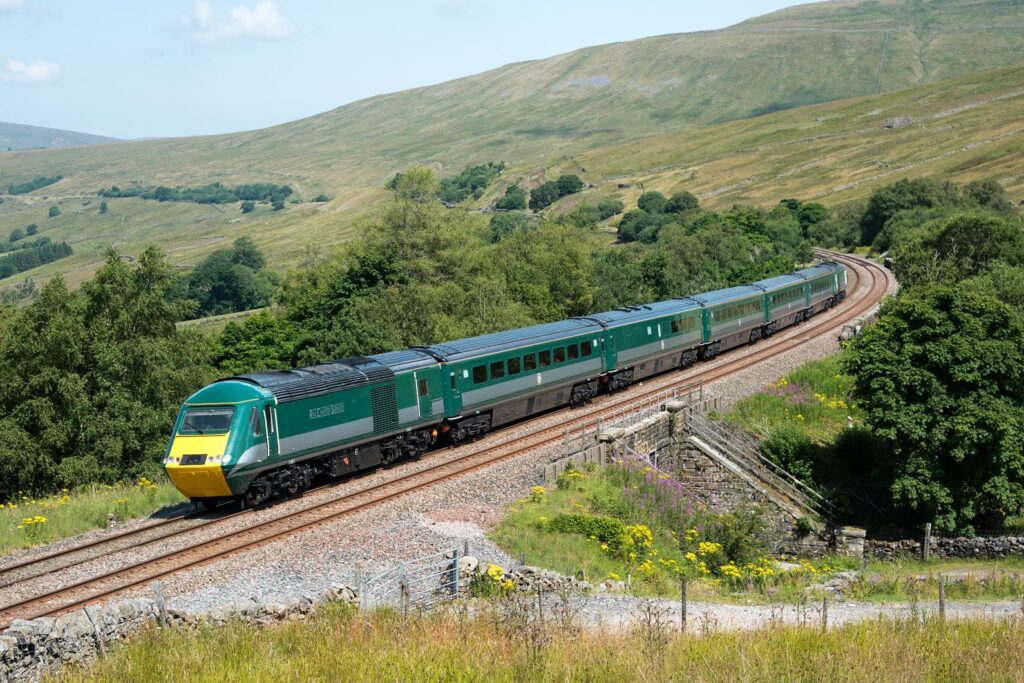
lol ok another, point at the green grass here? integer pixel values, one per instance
(813, 398)
(910, 580)
(69, 513)
(675, 114)
(341, 644)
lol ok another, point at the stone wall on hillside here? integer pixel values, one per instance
(950, 548)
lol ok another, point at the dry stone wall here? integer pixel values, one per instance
(948, 548)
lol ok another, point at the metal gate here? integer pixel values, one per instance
(422, 582)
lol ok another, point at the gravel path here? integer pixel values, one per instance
(440, 517)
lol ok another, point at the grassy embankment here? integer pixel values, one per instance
(343, 644)
(26, 522)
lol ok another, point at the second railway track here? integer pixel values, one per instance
(873, 282)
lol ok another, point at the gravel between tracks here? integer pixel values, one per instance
(440, 517)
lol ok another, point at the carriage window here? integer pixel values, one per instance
(545, 358)
(648, 329)
(497, 369)
(424, 390)
(513, 366)
(529, 362)
(560, 354)
(453, 380)
(480, 374)
(574, 352)
(674, 326)
(585, 348)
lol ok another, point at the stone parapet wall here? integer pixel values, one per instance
(948, 548)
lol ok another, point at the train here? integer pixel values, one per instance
(265, 435)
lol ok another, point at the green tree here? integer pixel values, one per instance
(31, 229)
(609, 206)
(569, 184)
(103, 207)
(941, 376)
(651, 202)
(16, 234)
(54, 212)
(321, 198)
(887, 201)
(682, 202)
(505, 224)
(544, 195)
(277, 204)
(514, 199)
(248, 206)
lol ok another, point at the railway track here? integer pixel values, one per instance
(872, 283)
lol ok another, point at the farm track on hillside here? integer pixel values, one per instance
(872, 283)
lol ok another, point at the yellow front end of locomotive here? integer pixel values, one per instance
(194, 465)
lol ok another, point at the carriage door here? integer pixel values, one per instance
(455, 379)
(422, 395)
(273, 440)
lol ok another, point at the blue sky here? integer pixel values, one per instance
(170, 67)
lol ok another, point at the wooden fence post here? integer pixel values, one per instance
(824, 613)
(926, 549)
(942, 597)
(158, 592)
(682, 604)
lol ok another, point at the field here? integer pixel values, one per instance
(722, 113)
(341, 643)
(27, 522)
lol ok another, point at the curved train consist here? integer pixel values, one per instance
(267, 434)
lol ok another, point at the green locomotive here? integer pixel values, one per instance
(272, 433)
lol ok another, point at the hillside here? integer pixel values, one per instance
(560, 111)
(16, 136)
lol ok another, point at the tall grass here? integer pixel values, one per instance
(26, 522)
(341, 644)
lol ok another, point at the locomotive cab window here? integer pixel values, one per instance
(497, 369)
(513, 366)
(207, 421)
(423, 388)
(529, 362)
(545, 359)
(480, 374)
(254, 422)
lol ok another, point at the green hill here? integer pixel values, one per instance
(16, 136)
(654, 100)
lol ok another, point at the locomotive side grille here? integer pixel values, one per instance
(385, 408)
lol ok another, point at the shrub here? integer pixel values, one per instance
(54, 212)
(609, 207)
(514, 199)
(568, 184)
(321, 198)
(32, 229)
(16, 235)
(544, 195)
(103, 207)
(248, 206)
(651, 202)
(682, 201)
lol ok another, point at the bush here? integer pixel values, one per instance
(103, 207)
(681, 202)
(31, 230)
(54, 212)
(321, 198)
(248, 206)
(651, 202)
(609, 207)
(277, 204)
(568, 184)
(16, 235)
(505, 224)
(32, 185)
(514, 199)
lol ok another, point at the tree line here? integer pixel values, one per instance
(32, 185)
(33, 255)
(214, 193)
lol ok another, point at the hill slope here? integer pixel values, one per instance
(16, 136)
(532, 115)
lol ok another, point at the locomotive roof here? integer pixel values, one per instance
(317, 380)
(511, 339)
(658, 309)
(405, 360)
(720, 296)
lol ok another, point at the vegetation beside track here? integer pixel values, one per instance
(340, 642)
(26, 521)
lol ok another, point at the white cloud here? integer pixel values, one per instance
(11, 5)
(39, 71)
(263, 20)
